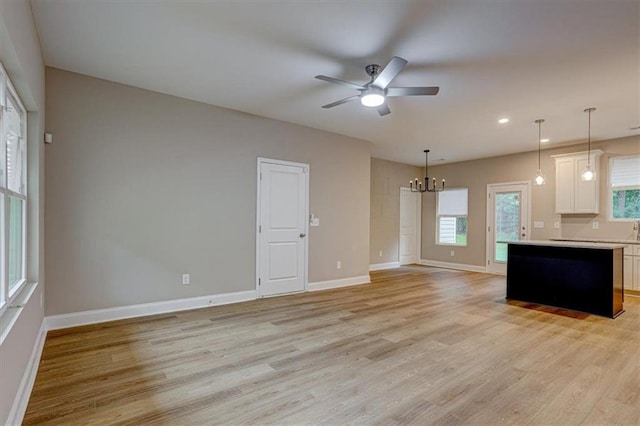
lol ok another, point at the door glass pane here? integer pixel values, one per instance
(15, 241)
(507, 224)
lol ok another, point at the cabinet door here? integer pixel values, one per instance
(636, 273)
(627, 266)
(586, 196)
(565, 174)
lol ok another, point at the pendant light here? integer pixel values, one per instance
(418, 185)
(588, 174)
(539, 179)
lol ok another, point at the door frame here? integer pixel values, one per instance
(307, 172)
(418, 224)
(490, 218)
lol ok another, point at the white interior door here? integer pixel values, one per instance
(282, 227)
(507, 220)
(410, 214)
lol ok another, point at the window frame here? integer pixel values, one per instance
(610, 217)
(438, 216)
(8, 293)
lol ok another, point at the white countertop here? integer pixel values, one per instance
(579, 244)
(598, 240)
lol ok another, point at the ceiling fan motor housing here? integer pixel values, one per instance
(372, 70)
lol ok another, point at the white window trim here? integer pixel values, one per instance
(6, 88)
(610, 217)
(437, 233)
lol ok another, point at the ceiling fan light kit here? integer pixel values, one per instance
(372, 97)
(428, 186)
(374, 93)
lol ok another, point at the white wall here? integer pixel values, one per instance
(142, 187)
(21, 57)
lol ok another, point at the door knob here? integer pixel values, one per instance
(302, 235)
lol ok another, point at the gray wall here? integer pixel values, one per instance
(142, 187)
(22, 59)
(476, 174)
(386, 179)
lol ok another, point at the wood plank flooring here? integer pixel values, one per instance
(417, 346)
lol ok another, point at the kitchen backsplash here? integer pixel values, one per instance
(593, 226)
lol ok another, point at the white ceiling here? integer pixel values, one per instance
(523, 59)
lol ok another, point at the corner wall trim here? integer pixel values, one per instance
(450, 265)
(75, 319)
(19, 407)
(381, 266)
(342, 282)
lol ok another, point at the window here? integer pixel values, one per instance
(452, 217)
(13, 190)
(624, 181)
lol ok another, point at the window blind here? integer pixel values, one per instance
(453, 202)
(625, 171)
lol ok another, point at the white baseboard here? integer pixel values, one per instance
(450, 265)
(75, 319)
(19, 407)
(381, 266)
(342, 282)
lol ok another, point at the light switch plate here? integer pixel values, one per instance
(556, 224)
(595, 224)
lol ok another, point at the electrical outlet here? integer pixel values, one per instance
(556, 224)
(338, 264)
(380, 253)
(595, 224)
(186, 279)
(452, 253)
(538, 225)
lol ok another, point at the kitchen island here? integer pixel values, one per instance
(579, 276)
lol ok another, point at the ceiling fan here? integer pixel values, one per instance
(374, 93)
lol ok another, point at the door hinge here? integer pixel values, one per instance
(488, 262)
(259, 228)
(260, 175)
(488, 229)
(259, 281)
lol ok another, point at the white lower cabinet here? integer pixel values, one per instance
(631, 265)
(635, 280)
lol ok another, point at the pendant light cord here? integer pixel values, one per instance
(539, 135)
(589, 110)
(589, 143)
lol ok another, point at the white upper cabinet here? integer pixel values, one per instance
(573, 195)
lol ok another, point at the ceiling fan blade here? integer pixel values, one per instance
(412, 91)
(389, 72)
(384, 110)
(341, 82)
(341, 101)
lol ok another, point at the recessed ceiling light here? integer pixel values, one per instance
(543, 140)
(503, 120)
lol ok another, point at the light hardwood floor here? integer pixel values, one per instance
(417, 346)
